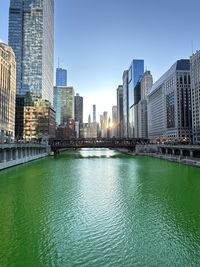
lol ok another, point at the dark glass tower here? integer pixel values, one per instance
(136, 70)
(78, 108)
(31, 35)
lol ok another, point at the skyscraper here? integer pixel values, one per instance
(114, 121)
(125, 104)
(31, 35)
(94, 113)
(140, 108)
(61, 77)
(67, 104)
(135, 72)
(7, 93)
(195, 94)
(120, 111)
(169, 104)
(78, 108)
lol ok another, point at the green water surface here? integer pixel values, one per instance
(99, 208)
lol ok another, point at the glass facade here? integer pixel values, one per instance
(136, 70)
(31, 34)
(61, 77)
(66, 104)
(57, 102)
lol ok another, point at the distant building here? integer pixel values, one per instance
(104, 131)
(89, 119)
(169, 104)
(135, 72)
(31, 35)
(195, 93)
(120, 111)
(114, 122)
(94, 113)
(63, 104)
(66, 131)
(35, 119)
(141, 120)
(125, 105)
(78, 108)
(61, 77)
(57, 103)
(7, 93)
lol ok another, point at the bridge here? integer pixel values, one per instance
(112, 143)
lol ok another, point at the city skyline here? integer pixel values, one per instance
(84, 35)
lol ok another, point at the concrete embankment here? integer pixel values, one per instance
(15, 154)
(182, 156)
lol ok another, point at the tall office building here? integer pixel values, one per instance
(135, 72)
(120, 111)
(78, 108)
(31, 35)
(141, 124)
(66, 104)
(61, 77)
(169, 104)
(195, 93)
(94, 113)
(63, 104)
(114, 121)
(125, 104)
(57, 103)
(7, 93)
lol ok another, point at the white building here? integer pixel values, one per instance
(169, 104)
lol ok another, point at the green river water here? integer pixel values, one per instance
(99, 208)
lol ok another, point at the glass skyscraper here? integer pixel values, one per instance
(63, 104)
(61, 77)
(135, 72)
(31, 35)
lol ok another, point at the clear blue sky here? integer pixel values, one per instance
(97, 39)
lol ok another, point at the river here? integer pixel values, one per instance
(99, 208)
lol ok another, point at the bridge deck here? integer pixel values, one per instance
(95, 143)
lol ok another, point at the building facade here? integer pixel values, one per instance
(114, 122)
(141, 119)
(78, 108)
(35, 119)
(31, 35)
(195, 94)
(57, 103)
(120, 111)
(125, 104)
(63, 104)
(61, 77)
(169, 104)
(67, 104)
(135, 72)
(94, 119)
(7, 93)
